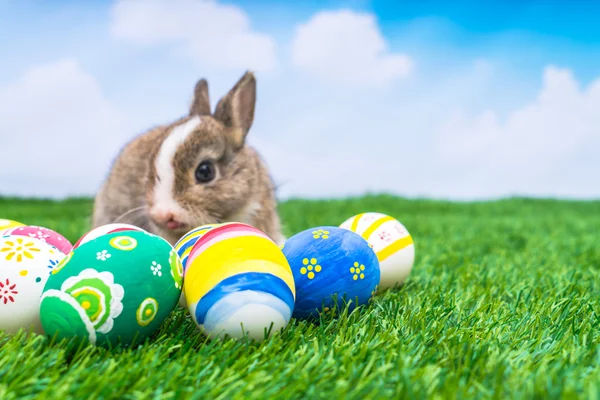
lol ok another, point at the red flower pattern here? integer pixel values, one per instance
(7, 292)
(385, 236)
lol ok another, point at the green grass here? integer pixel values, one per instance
(503, 302)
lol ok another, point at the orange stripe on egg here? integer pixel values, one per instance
(394, 247)
(369, 231)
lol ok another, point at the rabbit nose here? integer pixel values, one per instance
(162, 216)
(166, 218)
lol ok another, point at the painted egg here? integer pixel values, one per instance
(184, 247)
(186, 243)
(47, 235)
(25, 265)
(331, 263)
(6, 224)
(105, 230)
(117, 288)
(391, 242)
(238, 283)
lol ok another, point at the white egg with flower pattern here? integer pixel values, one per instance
(25, 265)
(390, 240)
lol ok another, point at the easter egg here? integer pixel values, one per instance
(104, 230)
(25, 265)
(331, 266)
(117, 288)
(238, 283)
(47, 235)
(6, 224)
(186, 243)
(184, 246)
(391, 242)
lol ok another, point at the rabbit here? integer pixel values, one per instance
(197, 170)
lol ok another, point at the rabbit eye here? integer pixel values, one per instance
(205, 172)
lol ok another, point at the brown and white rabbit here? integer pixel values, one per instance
(196, 171)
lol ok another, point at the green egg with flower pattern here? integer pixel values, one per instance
(116, 289)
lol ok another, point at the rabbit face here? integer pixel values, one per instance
(197, 176)
(195, 171)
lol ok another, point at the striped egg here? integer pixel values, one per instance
(184, 246)
(391, 242)
(186, 243)
(238, 283)
(104, 230)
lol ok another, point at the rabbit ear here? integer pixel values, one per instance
(236, 108)
(201, 103)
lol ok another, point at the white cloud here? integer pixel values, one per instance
(347, 47)
(410, 143)
(211, 34)
(536, 149)
(59, 133)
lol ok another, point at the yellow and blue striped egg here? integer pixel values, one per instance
(238, 283)
(332, 267)
(392, 243)
(186, 243)
(184, 246)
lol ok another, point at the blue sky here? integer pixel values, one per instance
(444, 99)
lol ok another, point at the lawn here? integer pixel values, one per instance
(503, 302)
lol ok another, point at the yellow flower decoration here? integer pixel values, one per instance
(18, 249)
(358, 271)
(311, 267)
(320, 234)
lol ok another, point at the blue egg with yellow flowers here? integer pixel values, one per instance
(331, 266)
